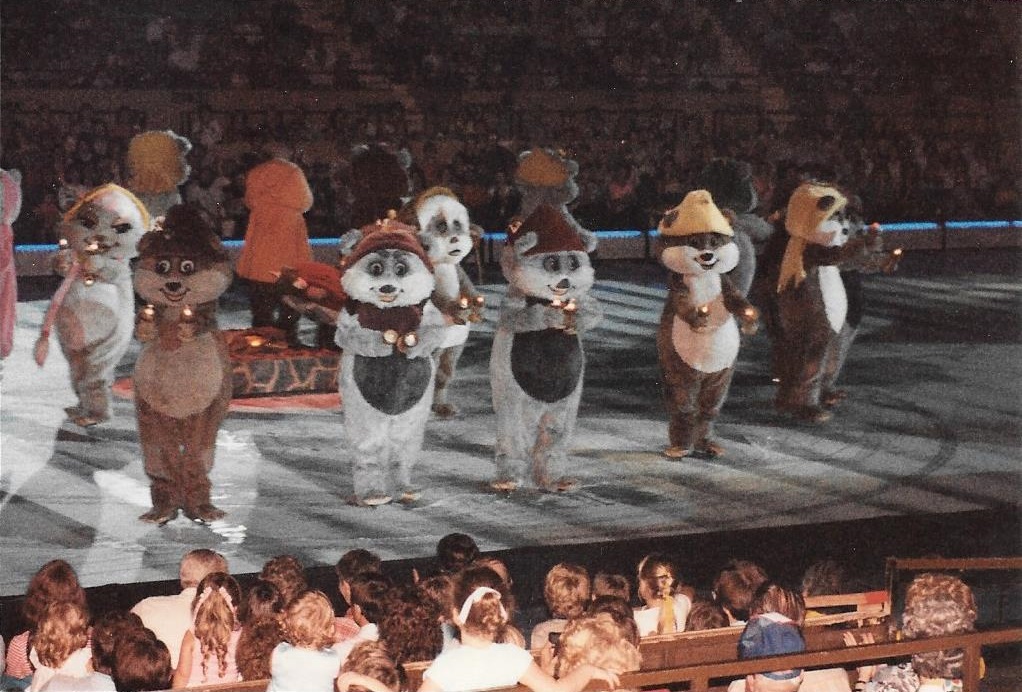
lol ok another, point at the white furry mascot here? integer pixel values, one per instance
(94, 308)
(537, 362)
(388, 330)
(448, 237)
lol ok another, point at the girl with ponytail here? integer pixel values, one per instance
(208, 649)
(666, 608)
(482, 661)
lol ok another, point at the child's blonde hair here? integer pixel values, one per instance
(938, 605)
(309, 621)
(599, 640)
(372, 660)
(566, 590)
(215, 617)
(64, 629)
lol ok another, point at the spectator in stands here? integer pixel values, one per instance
(307, 660)
(369, 668)
(774, 628)
(169, 617)
(825, 577)
(482, 661)
(706, 615)
(141, 663)
(54, 582)
(599, 640)
(287, 573)
(605, 584)
(439, 589)
(483, 570)
(410, 625)
(368, 599)
(60, 645)
(735, 586)
(108, 630)
(454, 552)
(566, 592)
(261, 630)
(660, 586)
(350, 566)
(209, 648)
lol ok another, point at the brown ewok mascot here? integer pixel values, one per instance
(183, 373)
(698, 338)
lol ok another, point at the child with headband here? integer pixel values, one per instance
(480, 661)
(208, 649)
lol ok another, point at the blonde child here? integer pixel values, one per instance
(659, 586)
(61, 644)
(600, 640)
(566, 591)
(208, 649)
(369, 668)
(307, 660)
(481, 661)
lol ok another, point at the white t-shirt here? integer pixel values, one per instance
(648, 618)
(293, 669)
(169, 617)
(464, 668)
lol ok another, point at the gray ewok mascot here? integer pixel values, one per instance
(537, 362)
(388, 330)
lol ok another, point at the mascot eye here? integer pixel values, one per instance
(441, 227)
(573, 263)
(163, 267)
(401, 269)
(457, 226)
(552, 264)
(187, 267)
(122, 227)
(375, 269)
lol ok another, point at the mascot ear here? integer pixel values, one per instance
(588, 239)
(526, 242)
(349, 240)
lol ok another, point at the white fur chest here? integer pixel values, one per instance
(714, 347)
(181, 382)
(446, 277)
(102, 309)
(835, 300)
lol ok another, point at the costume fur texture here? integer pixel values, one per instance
(812, 303)
(387, 331)
(546, 177)
(157, 165)
(183, 373)
(537, 362)
(698, 338)
(10, 207)
(730, 183)
(448, 237)
(94, 318)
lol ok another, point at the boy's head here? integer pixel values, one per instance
(142, 663)
(455, 551)
(369, 593)
(706, 615)
(566, 590)
(611, 585)
(352, 565)
(774, 598)
(735, 587)
(287, 573)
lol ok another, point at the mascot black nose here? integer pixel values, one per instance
(387, 289)
(173, 286)
(563, 283)
(706, 256)
(454, 239)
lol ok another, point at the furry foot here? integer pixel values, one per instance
(409, 496)
(374, 500)
(86, 420)
(833, 398)
(204, 514)
(504, 486)
(159, 516)
(444, 411)
(809, 414)
(710, 449)
(562, 485)
(676, 452)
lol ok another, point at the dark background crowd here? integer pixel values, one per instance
(914, 106)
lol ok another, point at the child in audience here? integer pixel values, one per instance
(734, 588)
(409, 626)
(307, 661)
(455, 552)
(261, 630)
(660, 586)
(605, 584)
(823, 578)
(599, 640)
(706, 615)
(141, 663)
(774, 628)
(352, 565)
(60, 645)
(439, 589)
(566, 591)
(492, 573)
(369, 668)
(55, 581)
(287, 573)
(368, 594)
(481, 661)
(621, 611)
(208, 650)
(107, 630)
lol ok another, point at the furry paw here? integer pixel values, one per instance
(373, 500)
(562, 485)
(85, 420)
(709, 448)
(159, 515)
(409, 496)
(504, 486)
(204, 514)
(676, 452)
(444, 411)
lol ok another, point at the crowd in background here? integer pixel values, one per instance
(942, 152)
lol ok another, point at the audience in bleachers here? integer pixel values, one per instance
(209, 647)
